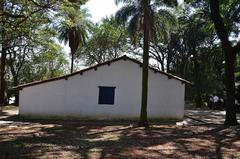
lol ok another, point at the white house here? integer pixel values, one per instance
(108, 90)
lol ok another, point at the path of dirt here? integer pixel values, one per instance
(94, 139)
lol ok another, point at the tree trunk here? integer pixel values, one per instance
(168, 65)
(197, 83)
(143, 116)
(162, 66)
(231, 118)
(3, 96)
(230, 56)
(72, 62)
(16, 91)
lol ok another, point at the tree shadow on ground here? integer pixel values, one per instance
(208, 116)
(106, 139)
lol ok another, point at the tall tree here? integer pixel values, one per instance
(148, 29)
(73, 29)
(225, 16)
(15, 19)
(35, 41)
(230, 51)
(140, 16)
(196, 39)
(3, 56)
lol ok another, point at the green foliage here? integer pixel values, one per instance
(202, 59)
(29, 38)
(188, 49)
(229, 11)
(107, 41)
(225, 17)
(48, 64)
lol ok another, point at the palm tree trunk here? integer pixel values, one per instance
(143, 117)
(72, 62)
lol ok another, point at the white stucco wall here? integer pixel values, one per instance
(78, 96)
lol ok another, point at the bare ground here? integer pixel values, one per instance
(101, 139)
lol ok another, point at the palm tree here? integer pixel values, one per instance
(73, 29)
(139, 14)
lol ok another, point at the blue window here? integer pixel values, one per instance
(106, 95)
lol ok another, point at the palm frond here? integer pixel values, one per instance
(74, 27)
(133, 25)
(165, 15)
(125, 12)
(64, 34)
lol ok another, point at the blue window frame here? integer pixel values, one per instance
(106, 95)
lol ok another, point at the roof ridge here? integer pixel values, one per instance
(124, 57)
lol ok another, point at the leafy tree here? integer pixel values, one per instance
(225, 16)
(36, 50)
(160, 50)
(18, 35)
(15, 17)
(198, 57)
(230, 50)
(27, 41)
(189, 51)
(195, 40)
(108, 40)
(49, 63)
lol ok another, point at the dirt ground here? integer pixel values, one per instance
(105, 139)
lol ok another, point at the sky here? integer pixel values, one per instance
(101, 8)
